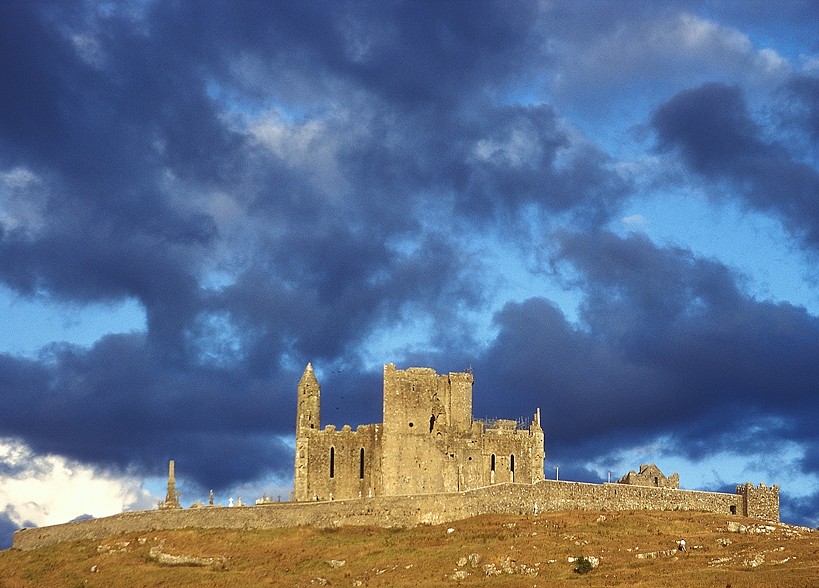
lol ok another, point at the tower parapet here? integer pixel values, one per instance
(760, 502)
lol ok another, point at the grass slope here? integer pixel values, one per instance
(634, 548)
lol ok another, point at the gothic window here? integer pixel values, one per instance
(332, 462)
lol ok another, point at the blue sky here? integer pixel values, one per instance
(609, 210)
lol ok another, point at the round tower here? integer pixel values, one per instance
(308, 423)
(309, 401)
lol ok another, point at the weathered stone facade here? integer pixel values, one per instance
(759, 502)
(172, 496)
(650, 475)
(427, 443)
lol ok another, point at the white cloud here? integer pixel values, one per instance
(617, 72)
(19, 199)
(810, 63)
(309, 145)
(518, 150)
(50, 489)
(634, 220)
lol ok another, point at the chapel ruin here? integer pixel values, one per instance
(428, 442)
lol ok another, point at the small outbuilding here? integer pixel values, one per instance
(650, 475)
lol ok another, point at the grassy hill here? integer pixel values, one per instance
(633, 548)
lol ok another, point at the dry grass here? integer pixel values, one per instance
(529, 551)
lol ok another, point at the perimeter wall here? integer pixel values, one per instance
(410, 510)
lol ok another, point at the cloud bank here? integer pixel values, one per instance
(427, 184)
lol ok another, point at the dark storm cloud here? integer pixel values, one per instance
(119, 115)
(277, 183)
(116, 404)
(7, 529)
(407, 53)
(669, 345)
(804, 90)
(716, 136)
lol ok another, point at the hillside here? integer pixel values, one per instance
(634, 549)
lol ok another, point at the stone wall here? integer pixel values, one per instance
(407, 511)
(760, 501)
(343, 464)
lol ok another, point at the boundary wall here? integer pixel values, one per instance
(400, 511)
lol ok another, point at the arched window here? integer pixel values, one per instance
(361, 464)
(492, 464)
(332, 462)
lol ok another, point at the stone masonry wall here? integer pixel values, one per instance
(342, 464)
(760, 501)
(401, 511)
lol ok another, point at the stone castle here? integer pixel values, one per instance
(428, 442)
(429, 462)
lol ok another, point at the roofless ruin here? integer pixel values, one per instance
(428, 442)
(429, 462)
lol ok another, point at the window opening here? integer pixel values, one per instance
(512, 463)
(361, 464)
(492, 463)
(332, 462)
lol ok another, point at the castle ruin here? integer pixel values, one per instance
(429, 462)
(428, 442)
(650, 475)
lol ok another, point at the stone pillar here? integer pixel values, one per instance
(172, 496)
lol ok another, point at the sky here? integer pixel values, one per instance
(607, 210)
